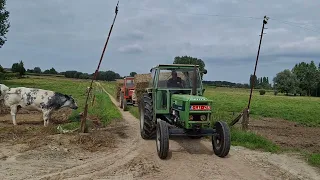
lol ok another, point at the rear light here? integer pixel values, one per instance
(200, 107)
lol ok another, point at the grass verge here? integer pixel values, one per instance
(314, 159)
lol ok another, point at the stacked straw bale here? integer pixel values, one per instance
(141, 82)
(119, 84)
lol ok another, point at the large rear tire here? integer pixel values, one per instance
(147, 126)
(221, 143)
(162, 139)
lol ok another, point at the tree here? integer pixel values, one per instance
(1, 69)
(286, 82)
(19, 68)
(253, 79)
(190, 60)
(4, 22)
(132, 74)
(53, 71)
(307, 76)
(37, 70)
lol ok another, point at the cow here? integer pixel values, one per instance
(3, 90)
(41, 100)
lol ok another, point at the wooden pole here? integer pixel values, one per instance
(84, 118)
(245, 112)
(245, 118)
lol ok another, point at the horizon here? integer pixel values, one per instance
(224, 34)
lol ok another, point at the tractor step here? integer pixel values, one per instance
(183, 132)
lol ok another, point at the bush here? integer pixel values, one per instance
(7, 76)
(262, 92)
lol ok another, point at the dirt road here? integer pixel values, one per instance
(131, 157)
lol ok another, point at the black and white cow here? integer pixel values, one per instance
(37, 99)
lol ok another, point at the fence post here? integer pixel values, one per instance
(245, 119)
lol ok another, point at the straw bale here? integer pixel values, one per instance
(119, 84)
(141, 83)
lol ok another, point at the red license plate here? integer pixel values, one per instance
(200, 108)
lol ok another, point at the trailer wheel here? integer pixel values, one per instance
(162, 139)
(147, 126)
(221, 142)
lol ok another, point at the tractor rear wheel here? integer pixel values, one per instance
(221, 142)
(147, 126)
(162, 139)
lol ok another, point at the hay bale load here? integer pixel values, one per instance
(119, 84)
(141, 82)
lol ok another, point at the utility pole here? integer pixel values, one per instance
(84, 118)
(245, 112)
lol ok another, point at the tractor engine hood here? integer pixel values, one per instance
(190, 98)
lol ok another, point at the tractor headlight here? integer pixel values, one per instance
(203, 117)
(191, 117)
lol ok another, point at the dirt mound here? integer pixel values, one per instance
(61, 116)
(95, 141)
(288, 134)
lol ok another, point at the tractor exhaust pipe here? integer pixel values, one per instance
(194, 81)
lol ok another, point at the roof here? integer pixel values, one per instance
(175, 65)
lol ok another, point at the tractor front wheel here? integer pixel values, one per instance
(147, 126)
(221, 142)
(162, 139)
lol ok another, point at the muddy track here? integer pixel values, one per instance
(135, 158)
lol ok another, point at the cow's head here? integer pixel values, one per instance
(70, 102)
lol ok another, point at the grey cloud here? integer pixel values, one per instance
(134, 48)
(71, 34)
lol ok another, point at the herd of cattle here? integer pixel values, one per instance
(41, 100)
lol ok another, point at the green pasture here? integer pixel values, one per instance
(103, 107)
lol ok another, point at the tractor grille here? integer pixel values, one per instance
(196, 117)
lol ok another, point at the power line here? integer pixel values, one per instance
(228, 16)
(295, 24)
(197, 14)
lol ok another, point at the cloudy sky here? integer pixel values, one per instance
(69, 35)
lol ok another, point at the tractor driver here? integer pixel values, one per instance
(175, 81)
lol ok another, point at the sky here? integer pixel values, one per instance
(70, 35)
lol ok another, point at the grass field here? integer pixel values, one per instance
(227, 101)
(103, 108)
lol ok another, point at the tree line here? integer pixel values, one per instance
(303, 79)
(18, 70)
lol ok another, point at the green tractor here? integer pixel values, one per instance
(173, 105)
